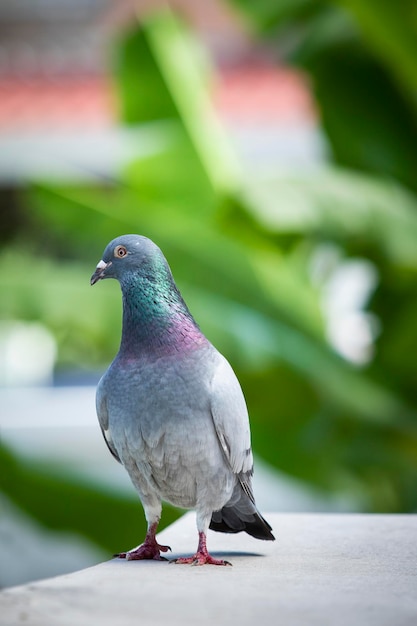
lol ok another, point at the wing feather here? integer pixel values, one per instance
(103, 419)
(231, 420)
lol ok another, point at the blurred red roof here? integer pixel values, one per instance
(245, 94)
(52, 64)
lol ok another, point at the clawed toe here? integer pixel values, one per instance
(151, 550)
(202, 556)
(145, 552)
(164, 548)
(200, 559)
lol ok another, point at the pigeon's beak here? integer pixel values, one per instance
(100, 272)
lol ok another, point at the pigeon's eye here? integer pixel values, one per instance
(120, 252)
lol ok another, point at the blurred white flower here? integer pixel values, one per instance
(347, 286)
(27, 354)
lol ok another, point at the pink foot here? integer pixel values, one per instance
(150, 549)
(145, 551)
(202, 556)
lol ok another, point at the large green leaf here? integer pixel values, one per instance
(159, 69)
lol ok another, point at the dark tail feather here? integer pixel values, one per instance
(228, 521)
(240, 514)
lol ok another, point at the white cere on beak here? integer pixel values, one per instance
(101, 265)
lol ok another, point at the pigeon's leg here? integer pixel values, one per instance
(150, 548)
(202, 556)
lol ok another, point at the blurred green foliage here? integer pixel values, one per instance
(361, 60)
(242, 247)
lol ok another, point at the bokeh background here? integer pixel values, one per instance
(269, 148)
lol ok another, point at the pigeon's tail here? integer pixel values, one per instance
(240, 514)
(228, 521)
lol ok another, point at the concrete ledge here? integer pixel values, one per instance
(323, 569)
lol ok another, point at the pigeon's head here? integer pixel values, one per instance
(123, 255)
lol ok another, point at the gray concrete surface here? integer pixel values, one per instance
(338, 569)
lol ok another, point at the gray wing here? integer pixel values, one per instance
(103, 417)
(231, 421)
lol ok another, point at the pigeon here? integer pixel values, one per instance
(171, 409)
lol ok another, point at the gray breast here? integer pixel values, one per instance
(161, 426)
